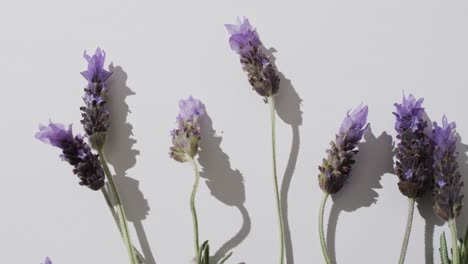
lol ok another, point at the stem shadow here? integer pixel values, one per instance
(122, 156)
(225, 184)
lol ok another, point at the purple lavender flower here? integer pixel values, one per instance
(243, 37)
(96, 72)
(353, 126)
(47, 261)
(261, 73)
(186, 136)
(55, 134)
(409, 114)
(447, 198)
(414, 156)
(76, 152)
(95, 113)
(336, 168)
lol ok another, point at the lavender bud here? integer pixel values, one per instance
(414, 156)
(95, 113)
(186, 136)
(75, 151)
(261, 73)
(447, 198)
(335, 170)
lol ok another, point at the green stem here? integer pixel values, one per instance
(321, 232)
(120, 209)
(409, 223)
(453, 231)
(194, 211)
(271, 101)
(117, 221)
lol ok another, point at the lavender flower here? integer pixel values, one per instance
(76, 152)
(186, 136)
(261, 73)
(336, 168)
(409, 114)
(95, 113)
(47, 261)
(414, 157)
(447, 197)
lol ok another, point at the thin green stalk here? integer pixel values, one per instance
(453, 231)
(271, 101)
(321, 232)
(117, 221)
(409, 223)
(194, 211)
(120, 209)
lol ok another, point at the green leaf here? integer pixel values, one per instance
(443, 250)
(204, 253)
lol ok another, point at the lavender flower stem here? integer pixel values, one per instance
(117, 222)
(120, 209)
(271, 101)
(194, 211)
(321, 232)
(408, 230)
(453, 230)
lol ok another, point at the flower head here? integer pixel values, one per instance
(336, 168)
(409, 114)
(190, 109)
(353, 126)
(76, 152)
(55, 134)
(96, 72)
(95, 113)
(186, 136)
(261, 72)
(447, 197)
(414, 156)
(444, 137)
(243, 37)
(47, 261)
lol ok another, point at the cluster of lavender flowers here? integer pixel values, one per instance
(447, 197)
(260, 70)
(95, 113)
(414, 156)
(335, 169)
(424, 161)
(75, 151)
(186, 136)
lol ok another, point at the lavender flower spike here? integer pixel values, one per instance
(47, 261)
(261, 73)
(76, 152)
(95, 113)
(414, 157)
(336, 168)
(186, 136)
(447, 197)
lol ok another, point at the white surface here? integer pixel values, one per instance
(336, 54)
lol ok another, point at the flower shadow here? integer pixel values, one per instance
(364, 180)
(226, 184)
(122, 156)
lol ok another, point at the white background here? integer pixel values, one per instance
(333, 55)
